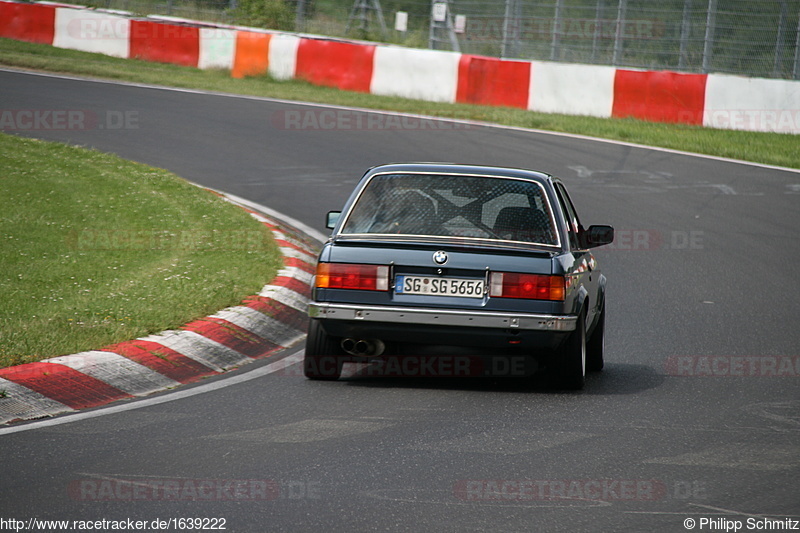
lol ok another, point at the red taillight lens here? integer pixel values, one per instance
(532, 286)
(351, 276)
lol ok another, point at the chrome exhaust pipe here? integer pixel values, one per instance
(349, 346)
(363, 347)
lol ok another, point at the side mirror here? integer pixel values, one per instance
(333, 218)
(598, 236)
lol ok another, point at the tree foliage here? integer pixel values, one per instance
(270, 14)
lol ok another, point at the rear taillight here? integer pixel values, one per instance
(352, 276)
(532, 286)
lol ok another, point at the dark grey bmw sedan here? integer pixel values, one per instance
(458, 255)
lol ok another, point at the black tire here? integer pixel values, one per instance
(323, 359)
(571, 358)
(595, 346)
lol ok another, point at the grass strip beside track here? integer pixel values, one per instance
(96, 250)
(768, 148)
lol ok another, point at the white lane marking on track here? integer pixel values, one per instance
(308, 230)
(786, 413)
(739, 456)
(304, 431)
(222, 383)
(585, 172)
(503, 442)
(411, 115)
(716, 511)
(445, 498)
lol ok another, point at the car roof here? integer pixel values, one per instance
(451, 168)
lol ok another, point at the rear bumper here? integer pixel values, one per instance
(443, 317)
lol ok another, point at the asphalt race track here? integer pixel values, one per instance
(695, 415)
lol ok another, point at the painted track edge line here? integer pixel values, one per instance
(304, 228)
(17, 408)
(75, 416)
(409, 115)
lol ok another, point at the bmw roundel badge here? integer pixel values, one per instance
(440, 257)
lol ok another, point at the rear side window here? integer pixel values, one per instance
(453, 206)
(570, 216)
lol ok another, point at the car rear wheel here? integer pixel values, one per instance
(571, 358)
(595, 346)
(323, 359)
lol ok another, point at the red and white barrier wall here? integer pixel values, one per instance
(719, 101)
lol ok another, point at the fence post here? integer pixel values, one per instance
(796, 66)
(445, 26)
(511, 29)
(506, 30)
(598, 21)
(300, 16)
(708, 44)
(556, 40)
(778, 63)
(620, 32)
(686, 28)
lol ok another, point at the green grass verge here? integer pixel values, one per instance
(95, 250)
(768, 148)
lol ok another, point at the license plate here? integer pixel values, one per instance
(435, 286)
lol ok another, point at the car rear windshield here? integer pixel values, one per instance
(494, 208)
